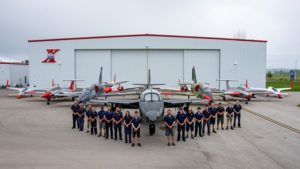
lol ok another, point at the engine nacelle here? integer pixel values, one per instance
(107, 89)
(120, 88)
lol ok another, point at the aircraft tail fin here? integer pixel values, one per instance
(72, 85)
(148, 84)
(100, 76)
(246, 84)
(194, 77)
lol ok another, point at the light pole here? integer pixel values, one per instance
(147, 65)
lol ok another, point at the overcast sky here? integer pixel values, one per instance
(277, 21)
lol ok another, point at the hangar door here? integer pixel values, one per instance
(207, 65)
(88, 63)
(129, 65)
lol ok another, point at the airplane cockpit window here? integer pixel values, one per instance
(207, 90)
(274, 89)
(155, 97)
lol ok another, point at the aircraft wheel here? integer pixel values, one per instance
(224, 98)
(246, 102)
(31, 95)
(151, 129)
(73, 98)
(48, 102)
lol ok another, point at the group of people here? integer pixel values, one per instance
(110, 122)
(194, 123)
(188, 122)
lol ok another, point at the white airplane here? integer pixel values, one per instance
(28, 91)
(59, 92)
(108, 86)
(270, 91)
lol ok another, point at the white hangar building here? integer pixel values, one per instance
(170, 58)
(13, 72)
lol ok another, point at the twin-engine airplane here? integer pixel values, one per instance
(150, 102)
(100, 88)
(60, 92)
(269, 92)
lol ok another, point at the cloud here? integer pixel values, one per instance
(273, 20)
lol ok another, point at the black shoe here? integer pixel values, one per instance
(183, 140)
(208, 134)
(73, 127)
(217, 128)
(106, 138)
(231, 128)
(132, 145)
(129, 141)
(121, 139)
(240, 127)
(201, 135)
(192, 137)
(169, 144)
(139, 144)
(87, 131)
(222, 128)
(226, 128)
(173, 144)
(91, 134)
(126, 141)
(178, 139)
(187, 136)
(115, 139)
(99, 135)
(214, 131)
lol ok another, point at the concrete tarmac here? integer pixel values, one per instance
(34, 135)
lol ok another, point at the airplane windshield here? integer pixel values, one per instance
(207, 90)
(155, 97)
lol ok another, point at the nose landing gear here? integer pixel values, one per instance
(151, 129)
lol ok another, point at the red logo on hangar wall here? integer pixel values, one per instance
(50, 56)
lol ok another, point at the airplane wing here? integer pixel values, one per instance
(123, 103)
(17, 89)
(283, 89)
(120, 94)
(179, 102)
(68, 94)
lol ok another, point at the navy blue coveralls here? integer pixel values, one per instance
(74, 108)
(81, 112)
(181, 128)
(237, 114)
(127, 130)
(213, 111)
(108, 125)
(118, 127)
(93, 116)
(206, 114)
(220, 117)
(198, 125)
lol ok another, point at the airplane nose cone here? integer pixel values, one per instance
(152, 115)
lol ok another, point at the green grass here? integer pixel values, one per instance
(283, 84)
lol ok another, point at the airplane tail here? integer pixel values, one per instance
(100, 76)
(148, 84)
(194, 78)
(52, 83)
(72, 85)
(115, 77)
(246, 84)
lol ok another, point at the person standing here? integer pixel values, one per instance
(206, 120)
(229, 116)
(190, 122)
(74, 108)
(169, 121)
(220, 116)
(101, 120)
(108, 123)
(237, 114)
(81, 110)
(213, 115)
(127, 126)
(136, 127)
(88, 118)
(181, 120)
(93, 119)
(198, 124)
(117, 119)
